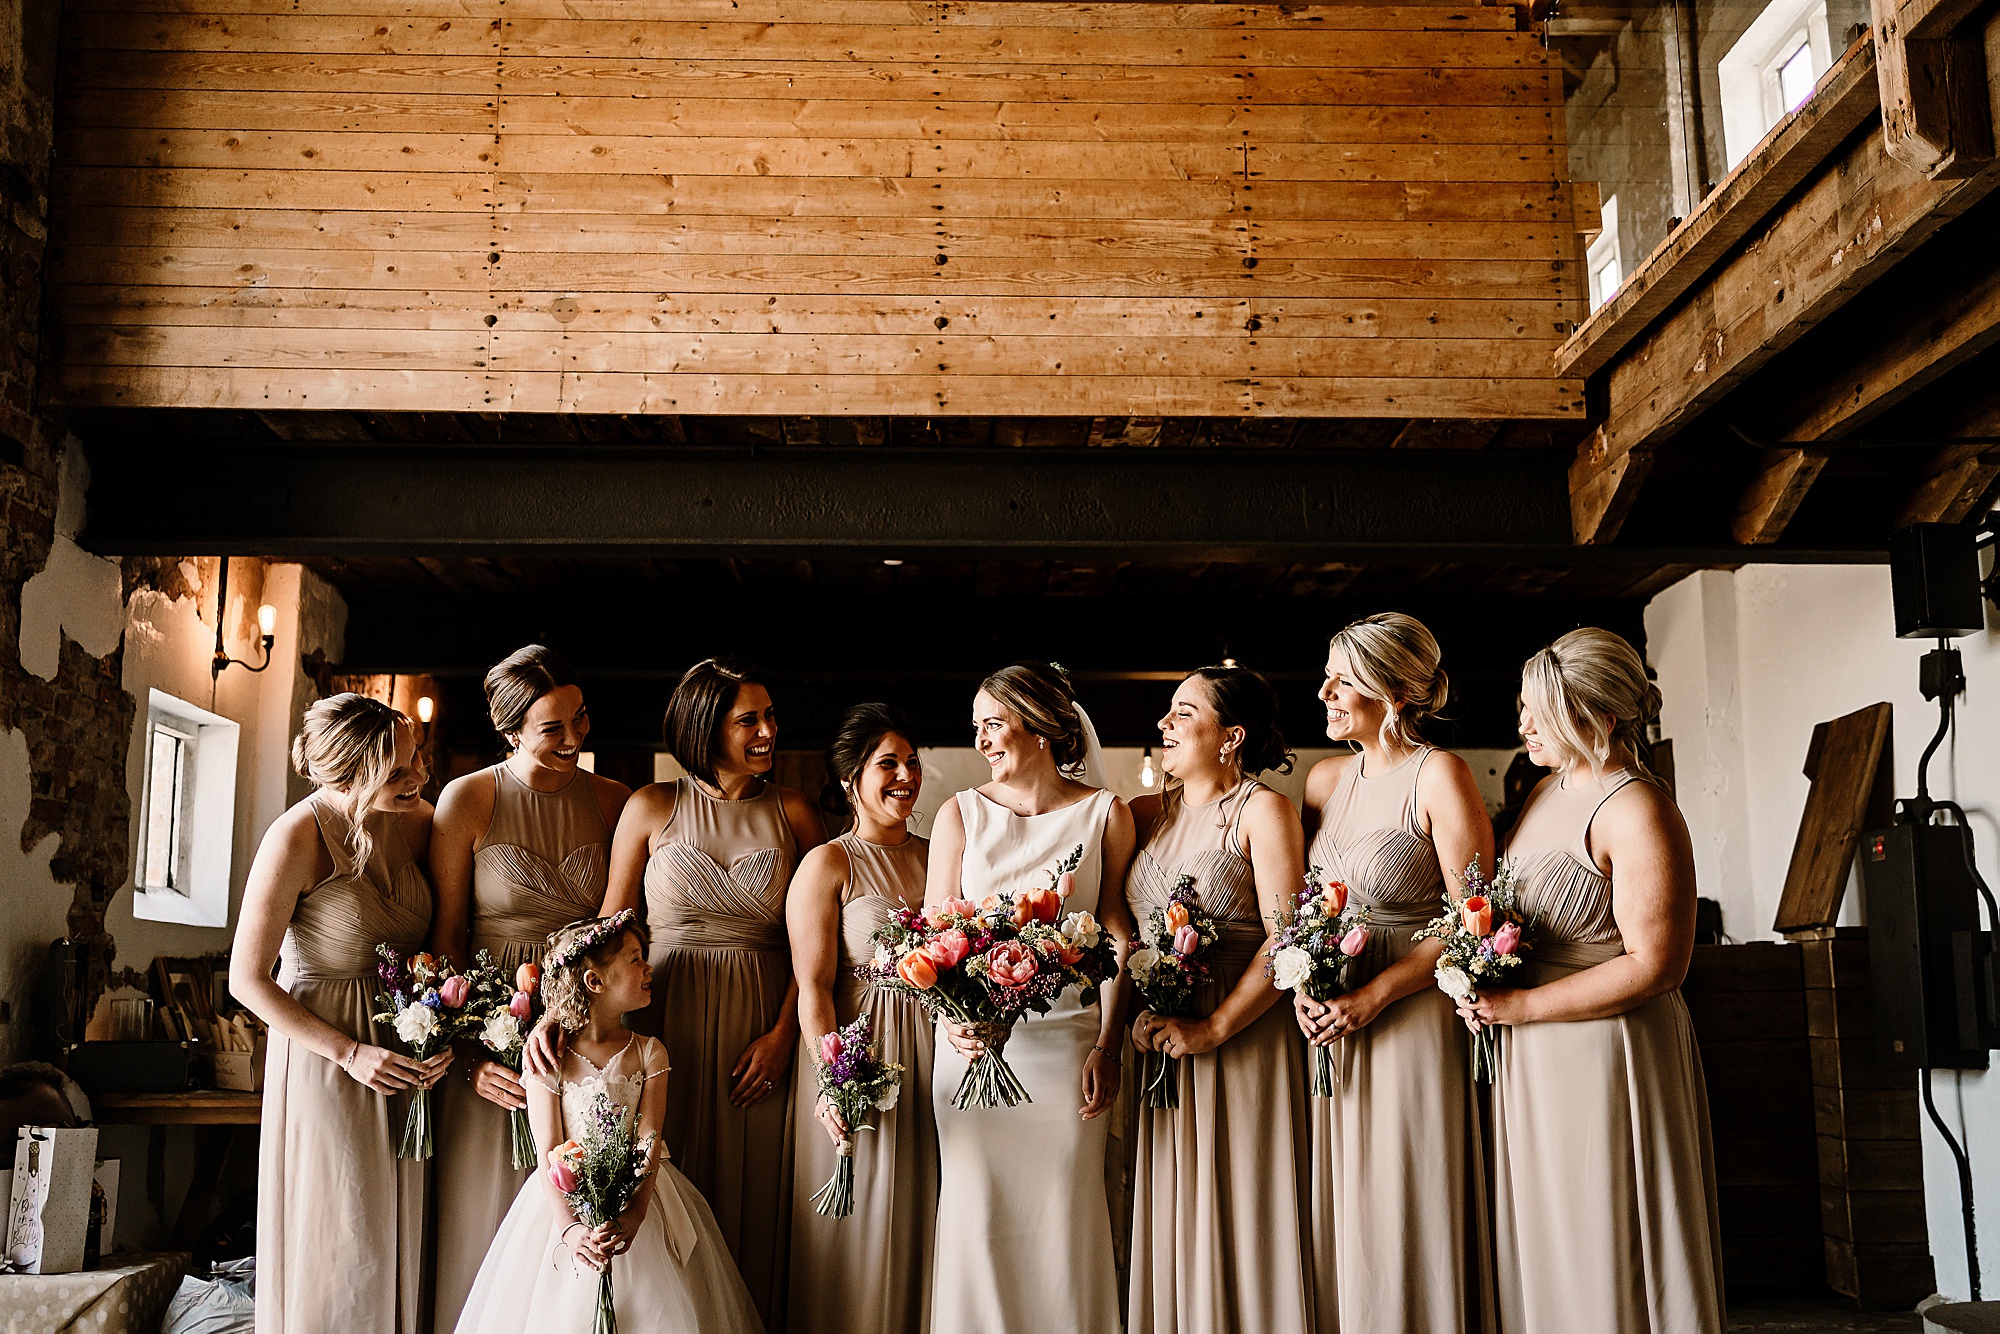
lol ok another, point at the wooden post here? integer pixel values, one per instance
(1936, 114)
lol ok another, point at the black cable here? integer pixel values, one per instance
(1964, 1183)
(1924, 763)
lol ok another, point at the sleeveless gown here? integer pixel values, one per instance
(676, 1278)
(1218, 1220)
(715, 904)
(872, 1269)
(1604, 1172)
(1024, 1220)
(1398, 1199)
(542, 864)
(340, 1219)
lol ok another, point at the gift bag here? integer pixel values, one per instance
(48, 1211)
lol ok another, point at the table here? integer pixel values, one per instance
(218, 1114)
(127, 1295)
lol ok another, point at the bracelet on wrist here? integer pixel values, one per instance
(1104, 1051)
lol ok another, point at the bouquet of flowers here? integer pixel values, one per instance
(1485, 936)
(856, 1082)
(498, 1015)
(1313, 952)
(1169, 965)
(983, 965)
(424, 997)
(598, 1176)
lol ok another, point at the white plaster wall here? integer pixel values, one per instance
(1748, 662)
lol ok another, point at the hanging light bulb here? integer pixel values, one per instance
(426, 709)
(1148, 775)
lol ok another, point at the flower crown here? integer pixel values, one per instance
(590, 937)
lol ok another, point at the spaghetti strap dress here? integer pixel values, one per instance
(715, 887)
(341, 1220)
(542, 863)
(1219, 1182)
(872, 1269)
(1604, 1170)
(1398, 1197)
(1024, 1217)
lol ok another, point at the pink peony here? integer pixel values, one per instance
(1355, 941)
(830, 1047)
(960, 907)
(522, 1006)
(1186, 940)
(1011, 964)
(1065, 884)
(948, 948)
(1508, 938)
(453, 992)
(564, 1179)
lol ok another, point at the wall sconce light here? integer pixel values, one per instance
(267, 623)
(426, 710)
(1148, 775)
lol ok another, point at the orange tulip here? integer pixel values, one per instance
(1335, 895)
(1477, 914)
(989, 903)
(527, 977)
(1046, 904)
(917, 971)
(1177, 916)
(1023, 912)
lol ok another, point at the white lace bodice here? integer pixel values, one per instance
(623, 1079)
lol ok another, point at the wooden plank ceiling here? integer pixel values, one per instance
(846, 207)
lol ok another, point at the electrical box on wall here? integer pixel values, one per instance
(1931, 965)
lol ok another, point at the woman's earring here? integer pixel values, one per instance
(1042, 742)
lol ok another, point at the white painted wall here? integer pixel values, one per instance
(1748, 662)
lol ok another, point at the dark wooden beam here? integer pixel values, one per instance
(1775, 494)
(1937, 115)
(1958, 478)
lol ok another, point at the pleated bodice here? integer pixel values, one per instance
(1370, 837)
(1204, 842)
(718, 872)
(542, 864)
(337, 924)
(880, 879)
(1557, 880)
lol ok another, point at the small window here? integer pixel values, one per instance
(1602, 260)
(187, 814)
(1796, 76)
(1771, 70)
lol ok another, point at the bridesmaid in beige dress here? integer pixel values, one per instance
(340, 1219)
(872, 1269)
(518, 849)
(1219, 1192)
(708, 859)
(1398, 1204)
(1604, 1172)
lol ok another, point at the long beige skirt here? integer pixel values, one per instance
(1219, 1238)
(340, 1219)
(1604, 1177)
(708, 1005)
(475, 1163)
(872, 1269)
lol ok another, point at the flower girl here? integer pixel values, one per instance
(671, 1272)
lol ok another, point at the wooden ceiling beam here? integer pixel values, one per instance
(1937, 114)
(1775, 494)
(1958, 478)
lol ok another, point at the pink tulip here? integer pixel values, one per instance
(1508, 938)
(830, 1047)
(1011, 964)
(1355, 941)
(1187, 940)
(1335, 895)
(1065, 884)
(948, 948)
(564, 1179)
(454, 990)
(1477, 915)
(522, 1006)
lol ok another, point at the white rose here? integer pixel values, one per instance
(416, 1023)
(502, 1031)
(1081, 929)
(1455, 983)
(883, 958)
(888, 1098)
(1290, 967)
(1142, 963)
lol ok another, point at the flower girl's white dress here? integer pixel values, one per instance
(677, 1278)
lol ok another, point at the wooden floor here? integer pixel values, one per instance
(858, 206)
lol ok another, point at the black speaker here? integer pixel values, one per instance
(1924, 942)
(1934, 576)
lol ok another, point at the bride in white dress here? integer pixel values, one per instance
(1024, 1223)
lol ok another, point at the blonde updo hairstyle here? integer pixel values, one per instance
(1394, 658)
(565, 999)
(347, 747)
(1039, 694)
(1589, 694)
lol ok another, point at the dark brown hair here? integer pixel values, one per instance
(860, 732)
(1242, 698)
(516, 681)
(699, 706)
(1039, 694)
